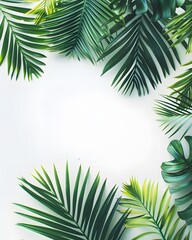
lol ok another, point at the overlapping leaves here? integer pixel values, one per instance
(161, 9)
(142, 50)
(180, 27)
(158, 217)
(183, 87)
(178, 174)
(76, 211)
(20, 40)
(175, 114)
(43, 8)
(77, 27)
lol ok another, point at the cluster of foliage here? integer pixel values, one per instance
(140, 39)
(86, 211)
(136, 36)
(131, 33)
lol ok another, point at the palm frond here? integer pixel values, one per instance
(143, 52)
(74, 211)
(184, 87)
(43, 8)
(178, 174)
(20, 40)
(77, 27)
(158, 217)
(174, 117)
(180, 28)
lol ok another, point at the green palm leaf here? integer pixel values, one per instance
(43, 8)
(158, 217)
(20, 40)
(76, 211)
(77, 27)
(161, 9)
(143, 51)
(174, 117)
(178, 174)
(184, 87)
(180, 27)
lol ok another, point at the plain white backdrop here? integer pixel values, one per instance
(73, 114)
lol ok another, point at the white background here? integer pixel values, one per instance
(73, 113)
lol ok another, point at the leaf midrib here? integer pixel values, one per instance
(17, 41)
(154, 220)
(80, 25)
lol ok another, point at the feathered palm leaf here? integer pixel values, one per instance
(43, 8)
(184, 87)
(20, 40)
(158, 217)
(77, 27)
(178, 174)
(174, 117)
(83, 211)
(180, 27)
(143, 51)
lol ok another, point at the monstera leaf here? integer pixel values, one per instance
(76, 211)
(20, 40)
(158, 217)
(142, 53)
(175, 113)
(161, 9)
(178, 174)
(76, 28)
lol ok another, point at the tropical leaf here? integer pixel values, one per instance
(77, 27)
(161, 9)
(184, 87)
(158, 217)
(174, 117)
(180, 27)
(143, 52)
(20, 40)
(74, 211)
(43, 8)
(178, 174)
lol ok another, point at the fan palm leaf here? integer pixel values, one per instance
(180, 27)
(77, 27)
(143, 51)
(158, 217)
(178, 174)
(20, 41)
(83, 211)
(174, 117)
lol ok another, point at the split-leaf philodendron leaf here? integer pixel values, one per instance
(160, 8)
(178, 174)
